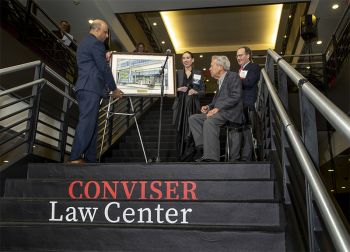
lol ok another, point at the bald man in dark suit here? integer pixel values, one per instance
(95, 81)
(226, 106)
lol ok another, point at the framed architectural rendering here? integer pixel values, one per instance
(139, 74)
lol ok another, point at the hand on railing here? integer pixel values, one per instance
(117, 93)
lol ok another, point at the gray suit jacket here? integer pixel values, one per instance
(229, 98)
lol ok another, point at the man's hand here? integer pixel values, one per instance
(108, 55)
(117, 93)
(205, 109)
(182, 89)
(212, 112)
(192, 92)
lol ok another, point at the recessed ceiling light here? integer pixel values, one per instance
(308, 67)
(335, 6)
(5, 161)
(331, 170)
(91, 21)
(281, 52)
(204, 69)
(319, 42)
(285, 36)
(163, 42)
(332, 190)
(290, 16)
(343, 187)
(154, 24)
(201, 56)
(207, 80)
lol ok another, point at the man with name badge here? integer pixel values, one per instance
(249, 74)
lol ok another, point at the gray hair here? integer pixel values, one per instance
(222, 61)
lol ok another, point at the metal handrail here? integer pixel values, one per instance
(8, 70)
(23, 86)
(59, 91)
(335, 226)
(337, 118)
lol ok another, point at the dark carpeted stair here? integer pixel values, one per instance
(191, 207)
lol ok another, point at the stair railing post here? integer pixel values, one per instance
(283, 94)
(64, 125)
(28, 6)
(270, 66)
(33, 113)
(309, 137)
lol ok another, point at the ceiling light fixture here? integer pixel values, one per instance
(5, 161)
(343, 187)
(332, 190)
(201, 56)
(170, 30)
(308, 67)
(285, 36)
(173, 22)
(91, 21)
(154, 24)
(319, 42)
(290, 16)
(331, 170)
(204, 69)
(335, 6)
(163, 42)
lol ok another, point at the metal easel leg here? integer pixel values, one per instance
(105, 127)
(138, 130)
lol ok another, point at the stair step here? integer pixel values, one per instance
(41, 237)
(166, 138)
(147, 145)
(204, 190)
(138, 152)
(139, 159)
(127, 171)
(153, 132)
(158, 213)
(154, 125)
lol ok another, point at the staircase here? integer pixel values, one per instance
(142, 207)
(128, 148)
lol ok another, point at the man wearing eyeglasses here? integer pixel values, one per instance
(95, 81)
(249, 74)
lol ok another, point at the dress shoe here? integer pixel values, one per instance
(77, 161)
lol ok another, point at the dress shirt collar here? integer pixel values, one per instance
(221, 79)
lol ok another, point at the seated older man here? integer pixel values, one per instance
(226, 106)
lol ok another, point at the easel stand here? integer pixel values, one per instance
(109, 114)
(161, 105)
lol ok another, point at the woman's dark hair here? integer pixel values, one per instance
(189, 54)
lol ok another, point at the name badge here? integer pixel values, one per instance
(196, 79)
(243, 74)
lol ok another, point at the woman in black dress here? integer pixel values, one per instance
(190, 88)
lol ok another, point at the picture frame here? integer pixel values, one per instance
(138, 74)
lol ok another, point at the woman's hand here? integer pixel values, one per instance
(182, 89)
(192, 92)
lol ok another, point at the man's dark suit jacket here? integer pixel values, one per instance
(250, 84)
(94, 73)
(229, 98)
